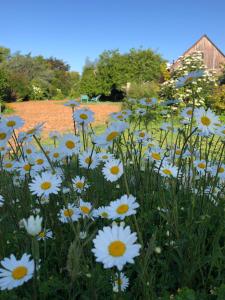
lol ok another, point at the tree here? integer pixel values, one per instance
(4, 54)
(5, 89)
(89, 83)
(114, 70)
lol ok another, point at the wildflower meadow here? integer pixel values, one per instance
(136, 212)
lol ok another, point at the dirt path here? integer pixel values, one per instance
(56, 115)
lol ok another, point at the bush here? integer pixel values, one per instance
(217, 100)
(141, 90)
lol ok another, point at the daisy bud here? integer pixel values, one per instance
(83, 235)
(158, 250)
(33, 225)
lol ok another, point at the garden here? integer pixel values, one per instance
(134, 211)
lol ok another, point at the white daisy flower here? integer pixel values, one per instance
(69, 213)
(85, 208)
(70, 144)
(141, 135)
(2, 200)
(88, 159)
(15, 272)
(168, 170)
(5, 135)
(105, 156)
(187, 113)
(13, 122)
(148, 101)
(39, 161)
(45, 235)
(102, 212)
(29, 150)
(4, 149)
(201, 166)
(123, 282)
(219, 171)
(56, 155)
(123, 207)
(9, 165)
(54, 135)
(111, 133)
(33, 225)
(113, 170)
(35, 130)
(206, 120)
(154, 154)
(45, 184)
(118, 116)
(83, 116)
(115, 246)
(24, 167)
(72, 103)
(79, 184)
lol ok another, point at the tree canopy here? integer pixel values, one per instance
(24, 77)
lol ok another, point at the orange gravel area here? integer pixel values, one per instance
(57, 116)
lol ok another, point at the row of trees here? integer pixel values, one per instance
(24, 77)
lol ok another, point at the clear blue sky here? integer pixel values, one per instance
(75, 29)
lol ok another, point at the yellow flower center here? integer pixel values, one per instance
(167, 172)
(104, 156)
(88, 160)
(223, 131)
(70, 144)
(2, 135)
(8, 165)
(28, 151)
(202, 165)
(56, 155)
(46, 185)
(156, 156)
(104, 214)
(120, 117)
(27, 168)
(115, 170)
(189, 112)
(19, 272)
(68, 212)
(79, 185)
(205, 121)
(142, 134)
(39, 161)
(178, 151)
(112, 136)
(117, 248)
(83, 116)
(221, 170)
(149, 101)
(122, 209)
(42, 234)
(11, 123)
(31, 131)
(85, 209)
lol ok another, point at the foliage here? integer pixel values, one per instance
(114, 70)
(179, 220)
(217, 99)
(36, 77)
(4, 86)
(142, 90)
(200, 88)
